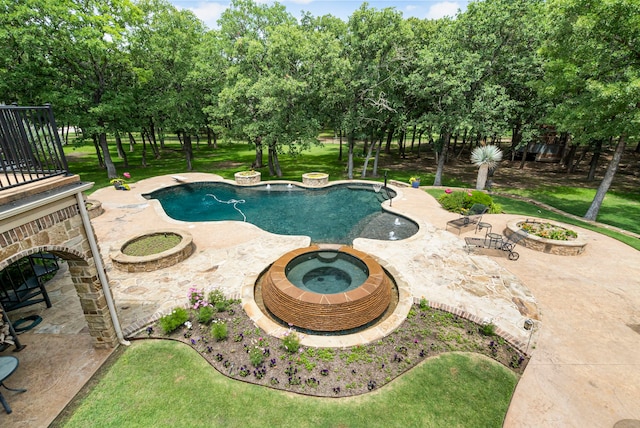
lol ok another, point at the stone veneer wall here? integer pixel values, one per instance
(58, 229)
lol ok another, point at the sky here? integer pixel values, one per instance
(209, 10)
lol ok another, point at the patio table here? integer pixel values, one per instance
(8, 365)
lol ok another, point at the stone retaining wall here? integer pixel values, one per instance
(153, 262)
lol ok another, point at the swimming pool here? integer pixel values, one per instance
(334, 214)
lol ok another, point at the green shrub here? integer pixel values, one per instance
(215, 296)
(291, 342)
(488, 329)
(495, 208)
(223, 305)
(219, 330)
(256, 356)
(478, 197)
(454, 201)
(175, 319)
(219, 302)
(460, 201)
(204, 314)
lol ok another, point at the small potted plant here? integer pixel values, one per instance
(415, 182)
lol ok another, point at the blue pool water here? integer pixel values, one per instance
(327, 272)
(335, 214)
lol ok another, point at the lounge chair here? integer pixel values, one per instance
(469, 219)
(495, 241)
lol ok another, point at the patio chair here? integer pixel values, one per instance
(470, 219)
(495, 241)
(21, 284)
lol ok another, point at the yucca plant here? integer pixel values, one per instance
(485, 158)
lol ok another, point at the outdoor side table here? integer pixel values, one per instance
(8, 365)
(495, 240)
(482, 225)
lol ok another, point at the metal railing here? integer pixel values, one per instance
(30, 147)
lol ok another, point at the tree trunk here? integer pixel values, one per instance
(574, 166)
(188, 151)
(108, 162)
(413, 136)
(483, 173)
(351, 142)
(272, 170)
(387, 148)
(525, 152)
(441, 158)
(594, 161)
(340, 150)
(144, 149)
(257, 163)
(568, 160)
(401, 144)
(592, 212)
(516, 138)
(463, 143)
(455, 142)
(375, 160)
(273, 149)
(366, 159)
(121, 152)
(96, 144)
(152, 139)
(132, 141)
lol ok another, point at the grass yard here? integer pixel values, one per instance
(167, 384)
(230, 158)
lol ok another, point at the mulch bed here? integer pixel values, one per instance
(337, 372)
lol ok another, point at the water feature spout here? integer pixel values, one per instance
(392, 236)
(289, 186)
(397, 222)
(268, 186)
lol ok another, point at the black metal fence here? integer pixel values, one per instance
(30, 147)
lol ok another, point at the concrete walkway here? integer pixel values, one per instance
(585, 346)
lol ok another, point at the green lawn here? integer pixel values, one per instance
(168, 384)
(233, 157)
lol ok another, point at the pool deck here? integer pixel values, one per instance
(584, 371)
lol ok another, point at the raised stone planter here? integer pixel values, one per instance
(94, 208)
(157, 261)
(551, 246)
(246, 178)
(315, 179)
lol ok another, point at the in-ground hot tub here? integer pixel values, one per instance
(326, 290)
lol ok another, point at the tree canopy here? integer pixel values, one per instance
(502, 67)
